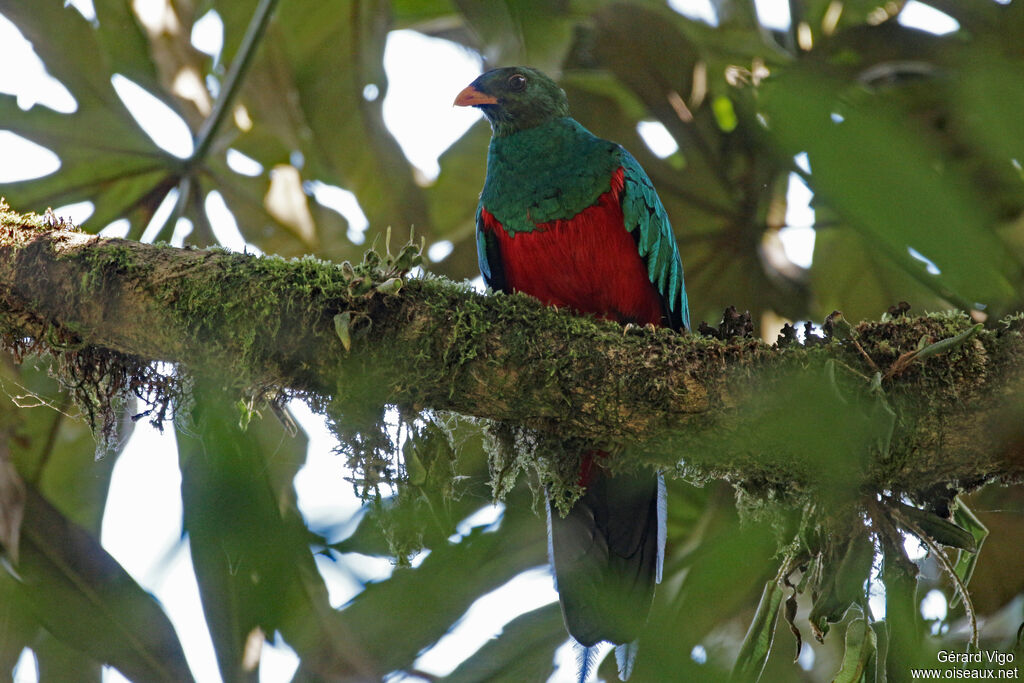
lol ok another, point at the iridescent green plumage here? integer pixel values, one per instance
(547, 167)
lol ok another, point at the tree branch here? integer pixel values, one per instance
(737, 409)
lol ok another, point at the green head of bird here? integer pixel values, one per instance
(515, 98)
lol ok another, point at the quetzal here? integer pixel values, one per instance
(574, 221)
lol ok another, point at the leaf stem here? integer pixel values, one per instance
(233, 81)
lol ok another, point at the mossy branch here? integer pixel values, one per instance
(736, 409)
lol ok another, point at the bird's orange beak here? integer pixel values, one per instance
(470, 97)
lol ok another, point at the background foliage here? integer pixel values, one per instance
(914, 149)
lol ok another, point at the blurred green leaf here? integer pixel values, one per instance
(841, 584)
(411, 11)
(941, 530)
(994, 121)
(51, 448)
(847, 274)
(118, 47)
(19, 628)
(523, 652)
(860, 647)
(660, 71)
(57, 661)
(452, 197)
(63, 570)
(533, 32)
(249, 545)
(729, 566)
(902, 616)
(450, 493)
(757, 644)
(997, 579)
(430, 598)
(984, 20)
(888, 182)
(330, 55)
(54, 452)
(802, 414)
(877, 669)
(967, 560)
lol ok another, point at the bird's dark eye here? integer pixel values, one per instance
(517, 82)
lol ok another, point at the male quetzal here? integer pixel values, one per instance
(573, 220)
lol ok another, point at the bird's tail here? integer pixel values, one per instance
(586, 659)
(607, 555)
(625, 655)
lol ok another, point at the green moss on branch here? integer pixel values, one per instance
(757, 415)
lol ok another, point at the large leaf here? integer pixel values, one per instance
(114, 44)
(430, 598)
(249, 546)
(55, 453)
(64, 571)
(520, 31)
(523, 652)
(105, 156)
(987, 101)
(324, 54)
(886, 180)
(18, 629)
(730, 566)
(453, 198)
(848, 275)
(757, 644)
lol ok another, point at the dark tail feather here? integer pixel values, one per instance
(607, 555)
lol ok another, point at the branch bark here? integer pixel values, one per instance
(764, 417)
